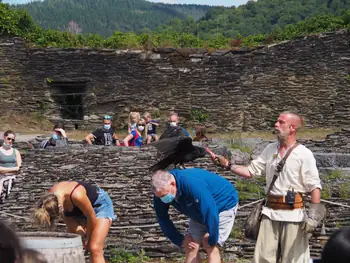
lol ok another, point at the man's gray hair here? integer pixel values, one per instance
(160, 180)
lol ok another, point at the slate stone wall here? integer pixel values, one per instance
(238, 89)
(122, 172)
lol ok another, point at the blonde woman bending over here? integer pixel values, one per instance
(86, 210)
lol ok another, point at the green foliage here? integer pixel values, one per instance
(214, 31)
(348, 77)
(16, 23)
(122, 256)
(249, 189)
(237, 230)
(218, 41)
(241, 147)
(344, 190)
(122, 40)
(318, 24)
(335, 175)
(199, 115)
(264, 17)
(326, 192)
(104, 17)
(252, 41)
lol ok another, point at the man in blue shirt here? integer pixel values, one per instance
(209, 200)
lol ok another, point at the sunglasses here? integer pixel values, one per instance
(10, 139)
(107, 117)
(140, 125)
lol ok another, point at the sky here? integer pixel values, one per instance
(202, 2)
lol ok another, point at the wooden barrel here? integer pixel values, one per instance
(56, 247)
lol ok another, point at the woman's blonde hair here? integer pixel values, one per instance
(47, 210)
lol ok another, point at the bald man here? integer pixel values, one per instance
(283, 235)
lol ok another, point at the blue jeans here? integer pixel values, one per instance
(103, 206)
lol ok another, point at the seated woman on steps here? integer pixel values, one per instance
(10, 163)
(86, 209)
(10, 158)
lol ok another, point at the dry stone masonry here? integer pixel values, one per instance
(237, 89)
(123, 173)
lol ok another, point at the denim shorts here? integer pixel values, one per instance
(103, 206)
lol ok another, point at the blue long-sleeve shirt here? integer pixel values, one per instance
(200, 195)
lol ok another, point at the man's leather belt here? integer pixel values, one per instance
(279, 202)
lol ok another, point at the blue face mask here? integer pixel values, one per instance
(168, 198)
(55, 136)
(107, 126)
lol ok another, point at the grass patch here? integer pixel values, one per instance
(242, 148)
(344, 190)
(121, 256)
(326, 192)
(335, 175)
(238, 230)
(248, 189)
(25, 123)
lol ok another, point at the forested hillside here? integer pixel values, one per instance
(261, 17)
(15, 22)
(106, 16)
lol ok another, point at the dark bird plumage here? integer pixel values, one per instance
(171, 132)
(176, 150)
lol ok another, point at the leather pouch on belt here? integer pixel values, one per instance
(280, 202)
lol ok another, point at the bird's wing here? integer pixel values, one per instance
(197, 152)
(162, 164)
(176, 150)
(171, 132)
(185, 145)
(167, 146)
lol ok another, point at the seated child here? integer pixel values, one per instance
(135, 137)
(200, 134)
(134, 118)
(151, 128)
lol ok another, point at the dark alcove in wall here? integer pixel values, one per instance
(69, 97)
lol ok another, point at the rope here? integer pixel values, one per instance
(252, 203)
(177, 222)
(334, 203)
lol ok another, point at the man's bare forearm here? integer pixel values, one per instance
(316, 196)
(241, 171)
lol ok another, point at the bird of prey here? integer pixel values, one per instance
(177, 151)
(171, 132)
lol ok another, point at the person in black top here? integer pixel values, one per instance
(104, 136)
(86, 209)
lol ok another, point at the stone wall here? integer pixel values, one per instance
(238, 89)
(122, 172)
